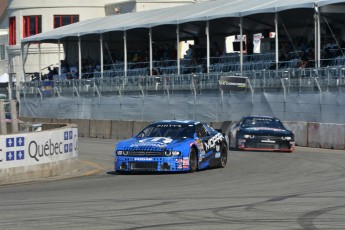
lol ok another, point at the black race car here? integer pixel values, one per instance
(261, 133)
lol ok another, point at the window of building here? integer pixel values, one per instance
(63, 20)
(12, 37)
(32, 25)
(2, 52)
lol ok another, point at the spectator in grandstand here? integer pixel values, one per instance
(64, 66)
(136, 58)
(74, 74)
(173, 53)
(52, 72)
(311, 57)
(217, 52)
(189, 52)
(193, 54)
(304, 62)
(330, 44)
(197, 55)
(166, 55)
(284, 57)
(155, 71)
(326, 57)
(250, 45)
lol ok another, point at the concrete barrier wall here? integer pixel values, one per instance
(307, 134)
(83, 127)
(28, 156)
(121, 129)
(300, 129)
(100, 129)
(328, 136)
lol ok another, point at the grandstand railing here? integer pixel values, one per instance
(290, 79)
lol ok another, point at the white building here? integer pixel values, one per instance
(23, 18)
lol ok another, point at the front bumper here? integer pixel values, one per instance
(266, 145)
(153, 164)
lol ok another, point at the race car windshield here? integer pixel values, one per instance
(262, 122)
(174, 131)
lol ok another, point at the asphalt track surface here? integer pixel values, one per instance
(257, 190)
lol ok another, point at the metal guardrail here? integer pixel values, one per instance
(302, 80)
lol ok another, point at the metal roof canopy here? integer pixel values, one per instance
(196, 13)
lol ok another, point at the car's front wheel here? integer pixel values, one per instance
(223, 158)
(193, 161)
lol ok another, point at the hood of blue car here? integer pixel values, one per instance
(266, 131)
(150, 143)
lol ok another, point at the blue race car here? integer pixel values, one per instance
(172, 145)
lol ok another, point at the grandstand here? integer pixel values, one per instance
(282, 66)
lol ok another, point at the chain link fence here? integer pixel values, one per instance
(290, 94)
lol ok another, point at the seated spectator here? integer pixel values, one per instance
(311, 58)
(189, 53)
(217, 51)
(304, 63)
(74, 73)
(136, 58)
(156, 71)
(51, 73)
(64, 66)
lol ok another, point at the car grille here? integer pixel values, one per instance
(268, 145)
(145, 153)
(144, 165)
(268, 137)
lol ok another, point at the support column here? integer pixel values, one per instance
(22, 59)
(59, 57)
(101, 49)
(276, 40)
(241, 45)
(178, 49)
(150, 39)
(39, 61)
(318, 38)
(125, 52)
(14, 118)
(79, 56)
(208, 45)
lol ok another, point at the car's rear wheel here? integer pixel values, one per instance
(193, 161)
(223, 158)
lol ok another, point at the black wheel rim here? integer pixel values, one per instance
(223, 159)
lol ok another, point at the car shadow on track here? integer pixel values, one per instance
(159, 173)
(142, 173)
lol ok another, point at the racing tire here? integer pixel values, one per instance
(223, 157)
(234, 147)
(193, 161)
(120, 172)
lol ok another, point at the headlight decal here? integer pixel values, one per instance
(170, 153)
(121, 153)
